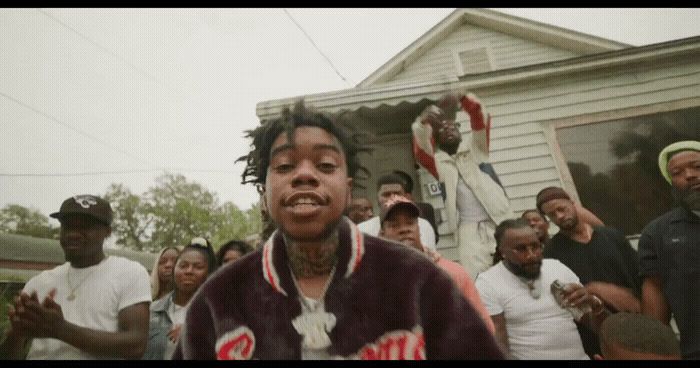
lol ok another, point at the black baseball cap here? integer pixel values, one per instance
(86, 204)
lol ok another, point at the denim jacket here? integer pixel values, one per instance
(159, 325)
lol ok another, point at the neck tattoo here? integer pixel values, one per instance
(311, 260)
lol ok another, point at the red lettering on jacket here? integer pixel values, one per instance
(238, 344)
(396, 345)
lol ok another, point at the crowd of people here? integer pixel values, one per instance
(332, 280)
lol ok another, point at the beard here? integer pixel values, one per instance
(450, 147)
(569, 224)
(688, 198)
(519, 270)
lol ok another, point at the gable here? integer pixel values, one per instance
(471, 49)
(555, 39)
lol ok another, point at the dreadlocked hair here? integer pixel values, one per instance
(258, 159)
(501, 229)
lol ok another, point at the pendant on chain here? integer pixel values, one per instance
(314, 326)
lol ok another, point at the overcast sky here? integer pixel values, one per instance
(142, 91)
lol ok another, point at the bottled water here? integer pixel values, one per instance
(558, 292)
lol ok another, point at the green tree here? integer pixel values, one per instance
(181, 210)
(16, 219)
(174, 211)
(232, 224)
(131, 222)
(255, 220)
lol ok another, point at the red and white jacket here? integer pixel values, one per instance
(390, 302)
(464, 163)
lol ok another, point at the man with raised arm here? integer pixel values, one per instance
(475, 202)
(600, 256)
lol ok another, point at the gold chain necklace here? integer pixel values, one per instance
(72, 295)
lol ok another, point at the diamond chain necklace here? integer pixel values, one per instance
(315, 324)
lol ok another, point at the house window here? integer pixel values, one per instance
(614, 165)
(473, 61)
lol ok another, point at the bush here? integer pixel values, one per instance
(8, 289)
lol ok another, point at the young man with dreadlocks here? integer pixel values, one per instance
(318, 288)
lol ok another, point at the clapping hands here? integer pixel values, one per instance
(34, 319)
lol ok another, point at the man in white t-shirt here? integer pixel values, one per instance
(92, 306)
(394, 185)
(530, 323)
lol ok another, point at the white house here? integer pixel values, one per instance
(568, 109)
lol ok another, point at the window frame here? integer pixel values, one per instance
(550, 130)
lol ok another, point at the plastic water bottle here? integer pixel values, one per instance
(558, 292)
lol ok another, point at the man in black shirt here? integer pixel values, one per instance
(539, 223)
(600, 256)
(669, 249)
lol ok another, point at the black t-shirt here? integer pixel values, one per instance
(670, 247)
(608, 257)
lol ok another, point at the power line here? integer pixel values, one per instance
(317, 48)
(98, 173)
(85, 134)
(108, 51)
(52, 118)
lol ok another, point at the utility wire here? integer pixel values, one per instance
(108, 51)
(155, 168)
(98, 173)
(85, 134)
(75, 174)
(317, 48)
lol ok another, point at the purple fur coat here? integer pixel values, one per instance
(390, 302)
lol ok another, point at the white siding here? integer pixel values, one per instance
(520, 152)
(391, 152)
(507, 52)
